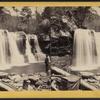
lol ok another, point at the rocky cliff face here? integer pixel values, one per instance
(92, 20)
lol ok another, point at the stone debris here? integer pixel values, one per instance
(36, 81)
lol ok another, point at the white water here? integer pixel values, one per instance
(10, 54)
(4, 59)
(16, 56)
(40, 55)
(30, 56)
(86, 50)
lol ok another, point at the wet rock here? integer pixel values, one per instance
(6, 80)
(25, 84)
(3, 75)
(15, 78)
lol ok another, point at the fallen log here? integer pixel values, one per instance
(59, 71)
(87, 85)
(72, 81)
(7, 87)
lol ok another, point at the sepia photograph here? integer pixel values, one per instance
(49, 48)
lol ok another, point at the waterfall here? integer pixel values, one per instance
(86, 50)
(16, 50)
(4, 48)
(97, 38)
(16, 56)
(40, 55)
(29, 54)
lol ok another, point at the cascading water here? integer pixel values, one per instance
(97, 39)
(4, 48)
(10, 53)
(86, 50)
(16, 56)
(40, 55)
(29, 54)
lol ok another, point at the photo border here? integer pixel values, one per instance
(50, 94)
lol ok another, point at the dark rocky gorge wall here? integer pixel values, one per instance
(61, 46)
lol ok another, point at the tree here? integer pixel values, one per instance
(47, 12)
(26, 14)
(80, 14)
(2, 13)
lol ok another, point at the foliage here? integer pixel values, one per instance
(26, 14)
(76, 14)
(25, 22)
